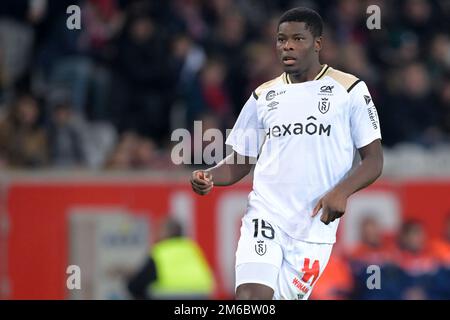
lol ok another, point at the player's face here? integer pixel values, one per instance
(296, 47)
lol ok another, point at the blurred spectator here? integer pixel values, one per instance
(336, 283)
(74, 60)
(416, 263)
(229, 39)
(439, 59)
(152, 66)
(145, 154)
(420, 17)
(176, 268)
(330, 53)
(261, 64)
(441, 245)
(189, 59)
(190, 12)
(348, 22)
(354, 61)
(405, 48)
(208, 122)
(134, 152)
(411, 113)
(16, 41)
(121, 157)
(372, 250)
(440, 287)
(444, 103)
(65, 138)
(102, 20)
(214, 90)
(23, 140)
(144, 81)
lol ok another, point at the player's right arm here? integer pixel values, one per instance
(227, 172)
(246, 140)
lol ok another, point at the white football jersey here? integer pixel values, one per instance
(305, 136)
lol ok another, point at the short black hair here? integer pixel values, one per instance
(310, 17)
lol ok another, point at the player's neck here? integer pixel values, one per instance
(308, 75)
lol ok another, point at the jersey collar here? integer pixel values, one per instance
(322, 72)
(320, 75)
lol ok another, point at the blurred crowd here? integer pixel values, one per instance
(407, 265)
(109, 94)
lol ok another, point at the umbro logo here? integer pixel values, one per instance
(368, 99)
(273, 105)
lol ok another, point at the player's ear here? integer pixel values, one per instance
(318, 43)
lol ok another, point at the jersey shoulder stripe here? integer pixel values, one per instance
(347, 80)
(282, 79)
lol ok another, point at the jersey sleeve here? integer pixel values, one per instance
(364, 122)
(247, 135)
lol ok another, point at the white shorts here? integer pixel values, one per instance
(268, 256)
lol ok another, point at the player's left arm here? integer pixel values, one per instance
(366, 135)
(334, 203)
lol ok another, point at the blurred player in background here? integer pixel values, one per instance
(304, 128)
(175, 269)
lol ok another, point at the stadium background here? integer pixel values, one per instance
(86, 117)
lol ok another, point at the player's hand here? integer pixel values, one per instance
(333, 206)
(201, 182)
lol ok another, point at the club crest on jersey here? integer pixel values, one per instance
(324, 105)
(260, 247)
